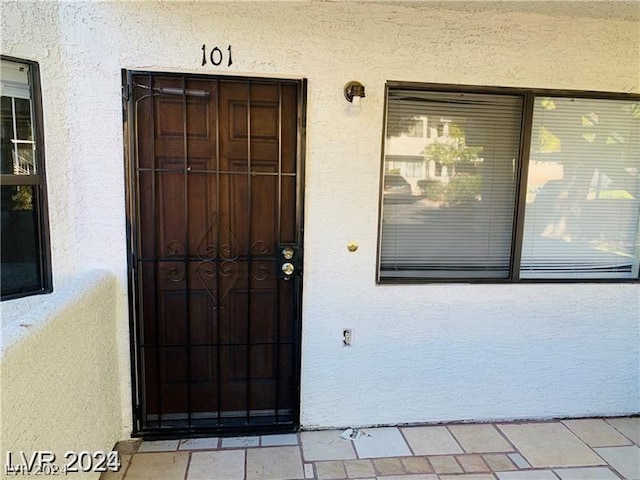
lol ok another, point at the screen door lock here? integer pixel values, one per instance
(289, 261)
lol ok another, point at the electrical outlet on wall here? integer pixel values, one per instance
(347, 337)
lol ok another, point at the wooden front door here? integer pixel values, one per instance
(216, 217)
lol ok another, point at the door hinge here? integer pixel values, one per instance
(126, 94)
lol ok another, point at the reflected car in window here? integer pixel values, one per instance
(396, 188)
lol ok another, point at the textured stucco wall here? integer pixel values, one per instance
(59, 383)
(420, 353)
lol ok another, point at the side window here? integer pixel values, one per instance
(24, 226)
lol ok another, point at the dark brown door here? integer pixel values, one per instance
(216, 209)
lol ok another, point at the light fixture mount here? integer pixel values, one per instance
(353, 89)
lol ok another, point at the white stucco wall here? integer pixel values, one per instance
(59, 378)
(420, 353)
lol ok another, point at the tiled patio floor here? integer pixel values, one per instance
(589, 449)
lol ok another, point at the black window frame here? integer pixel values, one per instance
(528, 95)
(38, 182)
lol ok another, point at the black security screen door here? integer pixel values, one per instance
(215, 210)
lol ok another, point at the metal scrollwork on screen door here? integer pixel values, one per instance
(218, 260)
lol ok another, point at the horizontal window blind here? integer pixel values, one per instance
(583, 190)
(14, 81)
(451, 214)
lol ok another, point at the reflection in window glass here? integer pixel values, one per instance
(6, 154)
(583, 190)
(415, 128)
(24, 161)
(18, 146)
(20, 252)
(23, 119)
(448, 197)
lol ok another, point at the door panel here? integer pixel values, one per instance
(216, 196)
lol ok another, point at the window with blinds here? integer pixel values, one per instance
(450, 199)
(581, 216)
(454, 219)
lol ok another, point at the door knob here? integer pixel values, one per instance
(288, 268)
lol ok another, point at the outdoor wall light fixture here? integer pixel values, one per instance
(354, 93)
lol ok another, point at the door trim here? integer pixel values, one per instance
(133, 238)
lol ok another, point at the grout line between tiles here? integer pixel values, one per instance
(455, 459)
(300, 448)
(455, 439)
(584, 443)
(355, 450)
(246, 464)
(576, 435)
(619, 431)
(126, 469)
(616, 472)
(406, 440)
(611, 467)
(186, 470)
(513, 445)
(302, 460)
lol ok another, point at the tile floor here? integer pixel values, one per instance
(581, 449)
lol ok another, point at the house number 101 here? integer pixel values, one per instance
(216, 56)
